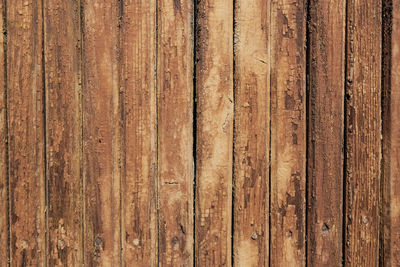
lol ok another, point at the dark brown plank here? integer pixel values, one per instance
(214, 92)
(288, 133)
(63, 131)
(363, 132)
(101, 133)
(175, 132)
(139, 185)
(4, 233)
(252, 99)
(26, 132)
(325, 136)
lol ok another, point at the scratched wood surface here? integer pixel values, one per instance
(199, 133)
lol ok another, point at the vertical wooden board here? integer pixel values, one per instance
(138, 64)
(363, 132)
(63, 131)
(214, 94)
(101, 133)
(3, 147)
(288, 133)
(325, 132)
(175, 132)
(391, 132)
(26, 132)
(251, 166)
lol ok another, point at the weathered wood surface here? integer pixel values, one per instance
(207, 132)
(101, 133)
(4, 249)
(288, 133)
(25, 97)
(363, 132)
(251, 165)
(63, 132)
(139, 136)
(214, 144)
(326, 61)
(175, 132)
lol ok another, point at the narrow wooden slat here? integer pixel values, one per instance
(288, 133)
(214, 92)
(325, 132)
(395, 139)
(138, 62)
(101, 133)
(3, 148)
(390, 255)
(26, 132)
(175, 132)
(363, 132)
(63, 131)
(252, 99)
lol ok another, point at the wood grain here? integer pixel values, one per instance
(139, 185)
(325, 132)
(288, 133)
(214, 94)
(63, 131)
(251, 166)
(391, 135)
(101, 133)
(363, 132)
(175, 132)
(4, 233)
(26, 132)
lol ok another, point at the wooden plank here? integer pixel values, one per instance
(175, 132)
(214, 145)
(390, 255)
(63, 131)
(251, 166)
(4, 233)
(138, 64)
(363, 132)
(26, 132)
(288, 133)
(325, 132)
(101, 133)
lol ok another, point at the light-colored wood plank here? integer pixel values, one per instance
(26, 132)
(4, 233)
(363, 132)
(214, 145)
(251, 166)
(325, 132)
(63, 131)
(288, 133)
(101, 133)
(138, 82)
(175, 132)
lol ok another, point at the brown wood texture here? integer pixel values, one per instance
(251, 154)
(395, 139)
(199, 133)
(139, 136)
(175, 132)
(101, 133)
(25, 98)
(214, 144)
(363, 132)
(325, 132)
(288, 133)
(390, 245)
(4, 249)
(63, 131)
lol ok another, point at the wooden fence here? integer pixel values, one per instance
(200, 132)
